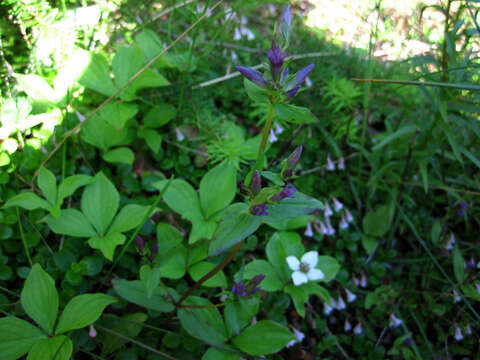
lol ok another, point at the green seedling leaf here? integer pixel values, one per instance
(17, 337)
(82, 311)
(217, 188)
(107, 244)
(182, 198)
(70, 184)
(150, 277)
(48, 184)
(329, 267)
(205, 323)
(252, 340)
(28, 201)
(71, 222)
(200, 269)
(56, 348)
(39, 298)
(100, 202)
(377, 222)
(135, 292)
(152, 137)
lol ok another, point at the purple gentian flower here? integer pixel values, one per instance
(259, 210)
(239, 290)
(287, 192)
(462, 208)
(276, 58)
(252, 75)
(292, 93)
(302, 74)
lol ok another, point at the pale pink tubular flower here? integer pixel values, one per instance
(308, 231)
(273, 138)
(350, 296)
(343, 223)
(451, 241)
(330, 229)
(320, 227)
(348, 216)
(327, 211)
(458, 334)
(358, 328)
(337, 205)
(394, 321)
(92, 332)
(347, 327)
(456, 296)
(363, 281)
(341, 164)
(179, 134)
(341, 304)
(330, 164)
(299, 335)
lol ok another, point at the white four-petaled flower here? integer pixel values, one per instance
(304, 269)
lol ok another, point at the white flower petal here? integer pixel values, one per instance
(293, 263)
(310, 258)
(315, 274)
(299, 278)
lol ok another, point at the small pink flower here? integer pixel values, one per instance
(330, 164)
(92, 332)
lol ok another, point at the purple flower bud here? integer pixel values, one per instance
(287, 192)
(287, 174)
(286, 18)
(462, 208)
(302, 74)
(285, 73)
(253, 285)
(259, 210)
(294, 157)
(140, 243)
(253, 75)
(291, 93)
(276, 58)
(256, 183)
(408, 342)
(243, 189)
(239, 290)
(154, 251)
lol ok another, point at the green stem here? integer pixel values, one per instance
(266, 132)
(22, 235)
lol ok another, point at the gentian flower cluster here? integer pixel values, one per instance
(278, 80)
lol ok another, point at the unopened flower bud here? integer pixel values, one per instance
(140, 243)
(294, 157)
(259, 210)
(256, 183)
(252, 75)
(239, 290)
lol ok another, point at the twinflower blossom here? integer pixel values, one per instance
(451, 241)
(308, 230)
(92, 332)
(327, 309)
(394, 321)
(468, 330)
(456, 296)
(330, 164)
(179, 134)
(347, 327)
(350, 296)
(348, 216)
(328, 211)
(273, 138)
(458, 334)
(330, 229)
(320, 227)
(358, 329)
(341, 304)
(337, 205)
(304, 269)
(299, 335)
(341, 164)
(343, 223)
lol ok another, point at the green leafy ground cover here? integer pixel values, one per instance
(133, 224)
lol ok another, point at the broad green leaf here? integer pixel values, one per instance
(299, 296)
(117, 114)
(100, 202)
(329, 267)
(271, 282)
(135, 292)
(377, 222)
(160, 115)
(205, 323)
(129, 217)
(369, 243)
(294, 114)
(314, 289)
(201, 229)
(48, 184)
(217, 188)
(129, 325)
(82, 311)
(279, 247)
(97, 75)
(151, 46)
(36, 88)
(150, 277)
(17, 337)
(39, 298)
(240, 313)
(147, 79)
(29, 201)
(97, 132)
(299, 205)
(70, 184)
(121, 155)
(107, 244)
(152, 137)
(56, 348)
(458, 265)
(237, 224)
(255, 92)
(168, 237)
(182, 198)
(265, 337)
(172, 255)
(216, 354)
(200, 269)
(71, 222)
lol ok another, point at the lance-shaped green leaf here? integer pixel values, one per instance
(300, 204)
(48, 184)
(71, 222)
(39, 298)
(56, 348)
(82, 311)
(150, 278)
(17, 337)
(135, 292)
(29, 201)
(129, 217)
(70, 184)
(100, 202)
